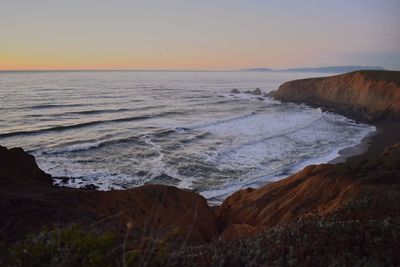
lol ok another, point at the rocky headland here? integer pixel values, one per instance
(329, 214)
(368, 95)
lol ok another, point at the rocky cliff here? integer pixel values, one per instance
(363, 95)
(319, 190)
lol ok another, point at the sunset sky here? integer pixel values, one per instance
(183, 34)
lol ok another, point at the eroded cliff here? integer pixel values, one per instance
(318, 190)
(364, 95)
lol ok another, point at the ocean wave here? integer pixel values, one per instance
(83, 112)
(91, 144)
(86, 124)
(87, 145)
(251, 137)
(97, 111)
(44, 106)
(245, 96)
(63, 127)
(217, 122)
(265, 125)
(50, 106)
(73, 148)
(164, 179)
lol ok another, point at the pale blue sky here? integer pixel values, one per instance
(178, 34)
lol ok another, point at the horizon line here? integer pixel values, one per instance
(144, 70)
(193, 70)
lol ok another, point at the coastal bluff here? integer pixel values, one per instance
(368, 95)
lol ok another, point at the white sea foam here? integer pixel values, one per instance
(74, 148)
(263, 125)
(245, 96)
(262, 141)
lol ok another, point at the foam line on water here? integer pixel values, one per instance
(217, 194)
(86, 124)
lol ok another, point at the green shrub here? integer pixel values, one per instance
(71, 246)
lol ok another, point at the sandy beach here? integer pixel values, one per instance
(387, 133)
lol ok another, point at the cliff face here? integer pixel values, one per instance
(321, 190)
(314, 190)
(29, 202)
(364, 95)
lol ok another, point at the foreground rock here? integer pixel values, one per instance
(364, 95)
(29, 202)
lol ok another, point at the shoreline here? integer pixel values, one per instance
(370, 146)
(365, 96)
(387, 133)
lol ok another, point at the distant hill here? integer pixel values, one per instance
(331, 69)
(258, 69)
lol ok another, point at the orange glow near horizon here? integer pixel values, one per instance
(164, 57)
(206, 35)
(32, 61)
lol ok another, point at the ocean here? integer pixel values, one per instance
(122, 129)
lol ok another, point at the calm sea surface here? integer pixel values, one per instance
(121, 129)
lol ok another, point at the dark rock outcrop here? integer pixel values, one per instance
(256, 91)
(363, 95)
(29, 202)
(16, 162)
(235, 91)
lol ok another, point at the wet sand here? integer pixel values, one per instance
(387, 134)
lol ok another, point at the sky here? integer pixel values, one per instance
(207, 34)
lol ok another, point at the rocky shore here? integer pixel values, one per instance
(330, 214)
